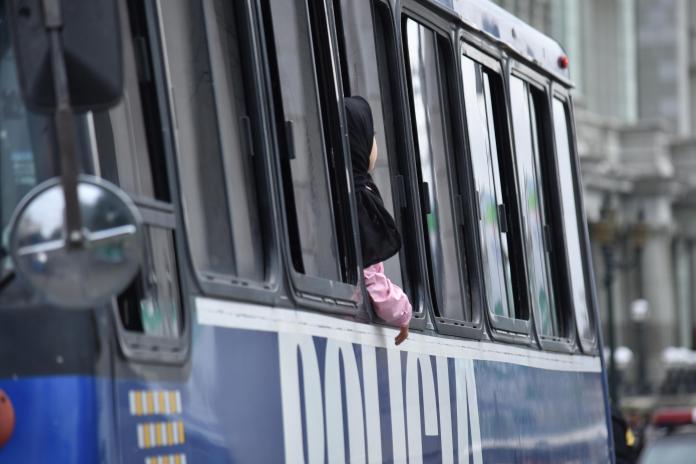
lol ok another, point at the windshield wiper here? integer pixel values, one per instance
(7, 274)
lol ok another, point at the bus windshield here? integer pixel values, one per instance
(25, 147)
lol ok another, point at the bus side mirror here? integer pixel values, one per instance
(91, 41)
(86, 276)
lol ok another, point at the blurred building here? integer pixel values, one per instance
(634, 64)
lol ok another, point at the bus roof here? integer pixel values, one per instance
(512, 32)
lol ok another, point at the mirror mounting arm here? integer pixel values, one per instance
(64, 123)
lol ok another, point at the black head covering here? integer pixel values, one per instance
(361, 133)
(379, 237)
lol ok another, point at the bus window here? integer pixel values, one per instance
(313, 166)
(494, 183)
(576, 262)
(213, 137)
(432, 130)
(532, 202)
(363, 78)
(128, 149)
(27, 158)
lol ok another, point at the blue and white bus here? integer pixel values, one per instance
(246, 334)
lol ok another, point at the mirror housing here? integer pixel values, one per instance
(83, 277)
(91, 41)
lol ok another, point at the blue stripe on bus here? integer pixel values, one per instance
(55, 420)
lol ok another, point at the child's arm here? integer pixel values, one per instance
(388, 299)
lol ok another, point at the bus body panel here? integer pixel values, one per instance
(278, 385)
(56, 420)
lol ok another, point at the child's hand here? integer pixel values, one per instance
(403, 335)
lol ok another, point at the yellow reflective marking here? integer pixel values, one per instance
(146, 435)
(182, 439)
(158, 435)
(177, 459)
(138, 404)
(161, 402)
(150, 403)
(172, 402)
(170, 433)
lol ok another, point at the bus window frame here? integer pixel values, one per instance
(395, 142)
(566, 342)
(153, 348)
(501, 328)
(140, 346)
(443, 24)
(588, 346)
(306, 291)
(268, 290)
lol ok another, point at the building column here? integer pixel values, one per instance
(683, 291)
(658, 290)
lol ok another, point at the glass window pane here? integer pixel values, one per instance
(121, 139)
(484, 155)
(151, 303)
(159, 312)
(26, 157)
(363, 72)
(431, 138)
(217, 175)
(570, 220)
(532, 206)
(302, 114)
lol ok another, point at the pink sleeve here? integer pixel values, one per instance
(388, 300)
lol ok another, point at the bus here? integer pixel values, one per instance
(245, 333)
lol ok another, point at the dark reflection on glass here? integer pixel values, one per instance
(293, 44)
(431, 138)
(532, 206)
(363, 73)
(570, 220)
(484, 156)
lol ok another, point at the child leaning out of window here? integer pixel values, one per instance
(379, 237)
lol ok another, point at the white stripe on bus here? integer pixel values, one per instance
(238, 315)
(131, 402)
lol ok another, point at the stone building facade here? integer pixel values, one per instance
(634, 64)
